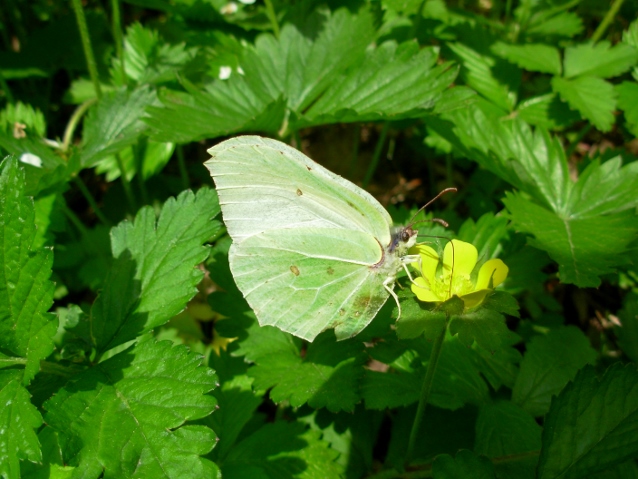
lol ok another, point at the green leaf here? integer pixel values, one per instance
(19, 420)
(126, 415)
(547, 111)
(114, 123)
(26, 294)
(237, 405)
(279, 75)
(502, 302)
(457, 380)
(628, 331)
(465, 464)
(279, 450)
(628, 102)
(564, 24)
(532, 57)
(593, 97)
(148, 59)
(503, 429)
(584, 248)
(327, 376)
(569, 220)
(152, 159)
(478, 73)
(599, 60)
(416, 320)
(392, 81)
(592, 424)
(486, 234)
(155, 273)
(549, 363)
(485, 326)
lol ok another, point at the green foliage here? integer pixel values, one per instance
(127, 351)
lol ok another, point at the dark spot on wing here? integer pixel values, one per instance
(309, 169)
(294, 270)
(342, 312)
(330, 270)
(299, 192)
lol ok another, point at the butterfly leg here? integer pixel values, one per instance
(406, 260)
(388, 284)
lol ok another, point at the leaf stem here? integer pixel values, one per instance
(426, 388)
(126, 184)
(73, 122)
(581, 134)
(609, 16)
(89, 197)
(272, 16)
(376, 155)
(183, 171)
(86, 45)
(116, 26)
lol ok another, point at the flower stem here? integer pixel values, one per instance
(376, 156)
(426, 388)
(272, 16)
(86, 45)
(602, 26)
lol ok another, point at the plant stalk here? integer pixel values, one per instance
(126, 184)
(89, 197)
(426, 388)
(183, 171)
(609, 16)
(73, 122)
(376, 155)
(116, 26)
(86, 45)
(272, 16)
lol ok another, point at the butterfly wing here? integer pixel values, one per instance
(264, 184)
(304, 281)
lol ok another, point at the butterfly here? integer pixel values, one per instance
(311, 250)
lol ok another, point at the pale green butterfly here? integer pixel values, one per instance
(311, 250)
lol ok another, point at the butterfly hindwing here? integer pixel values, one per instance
(304, 281)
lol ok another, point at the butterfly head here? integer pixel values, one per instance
(403, 238)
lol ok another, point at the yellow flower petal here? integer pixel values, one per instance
(429, 261)
(494, 269)
(460, 256)
(422, 291)
(475, 298)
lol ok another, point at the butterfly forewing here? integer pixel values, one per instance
(264, 184)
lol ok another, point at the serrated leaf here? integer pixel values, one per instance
(392, 81)
(281, 449)
(151, 159)
(503, 429)
(592, 425)
(148, 59)
(155, 273)
(599, 60)
(584, 248)
(478, 73)
(486, 234)
(628, 102)
(465, 464)
(328, 375)
(593, 97)
(126, 415)
(485, 326)
(18, 421)
(549, 363)
(237, 403)
(569, 219)
(533, 57)
(547, 111)
(279, 75)
(502, 302)
(114, 123)
(26, 329)
(415, 320)
(457, 380)
(564, 24)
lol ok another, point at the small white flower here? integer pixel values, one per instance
(31, 159)
(228, 9)
(224, 73)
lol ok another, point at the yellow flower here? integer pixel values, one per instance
(454, 278)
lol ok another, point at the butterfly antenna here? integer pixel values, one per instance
(446, 190)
